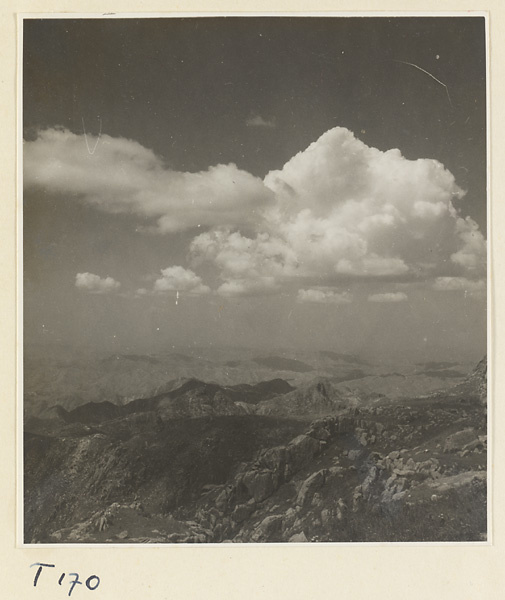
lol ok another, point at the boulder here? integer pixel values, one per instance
(354, 454)
(362, 439)
(302, 450)
(269, 527)
(411, 464)
(309, 487)
(341, 508)
(369, 479)
(298, 537)
(222, 499)
(274, 458)
(335, 471)
(326, 517)
(319, 432)
(259, 484)
(242, 512)
(445, 484)
(477, 445)
(457, 441)
(379, 428)
(357, 498)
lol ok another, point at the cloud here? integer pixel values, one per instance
(235, 288)
(456, 284)
(179, 279)
(141, 293)
(335, 211)
(240, 257)
(388, 297)
(368, 211)
(258, 121)
(95, 284)
(324, 297)
(124, 177)
(472, 254)
(373, 265)
(343, 209)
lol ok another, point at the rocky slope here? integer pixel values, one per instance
(138, 458)
(370, 469)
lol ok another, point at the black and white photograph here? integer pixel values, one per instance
(253, 256)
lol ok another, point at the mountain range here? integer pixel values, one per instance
(204, 462)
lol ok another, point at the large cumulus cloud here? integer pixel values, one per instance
(343, 209)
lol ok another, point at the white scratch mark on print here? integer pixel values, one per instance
(430, 75)
(91, 150)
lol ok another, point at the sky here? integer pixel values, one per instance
(307, 183)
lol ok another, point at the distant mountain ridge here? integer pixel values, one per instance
(279, 363)
(193, 398)
(71, 381)
(340, 356)
(319, 397)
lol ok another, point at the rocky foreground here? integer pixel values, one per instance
(371, 469)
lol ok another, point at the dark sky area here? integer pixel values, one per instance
(185, 87)
(178, 96)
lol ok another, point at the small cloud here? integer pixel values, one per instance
(141, 292)
(454, 284)
(179, 279)
(388, 297)
(236, 288)
(472, 255)
(324, 297)
(258, 121)
(372, 266)
(95, 284)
